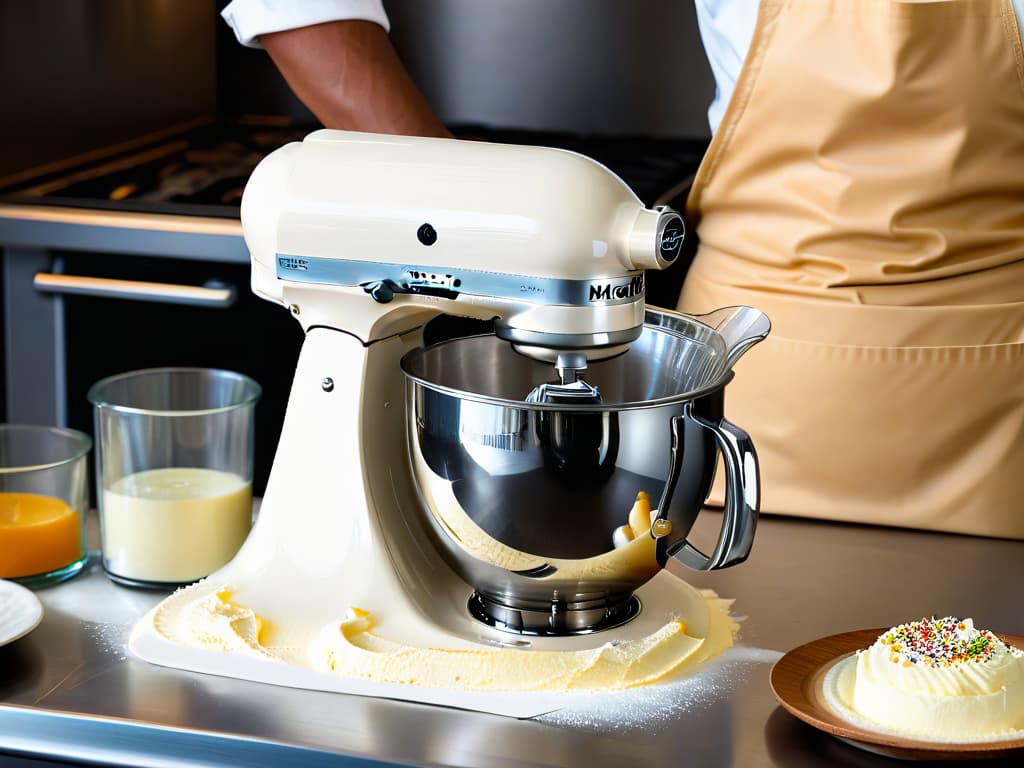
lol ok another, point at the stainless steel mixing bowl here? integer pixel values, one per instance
(535, 503)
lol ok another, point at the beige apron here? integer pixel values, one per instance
(866, 190)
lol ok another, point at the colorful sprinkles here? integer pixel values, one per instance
(945, 642)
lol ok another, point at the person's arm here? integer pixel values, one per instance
(350, 77)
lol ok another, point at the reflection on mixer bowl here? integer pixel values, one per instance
(535, 504)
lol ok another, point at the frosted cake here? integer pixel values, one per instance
(935, 679)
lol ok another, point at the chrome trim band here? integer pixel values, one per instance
(525, 337)
(550, 621)
(450, 281)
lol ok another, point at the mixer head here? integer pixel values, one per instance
(375, 234)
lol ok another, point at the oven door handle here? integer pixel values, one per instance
(213, 294)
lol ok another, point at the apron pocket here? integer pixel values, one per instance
(916, 419)
(925, 437)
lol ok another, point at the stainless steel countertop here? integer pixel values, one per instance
(71, 691)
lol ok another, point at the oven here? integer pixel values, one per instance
(120, 241)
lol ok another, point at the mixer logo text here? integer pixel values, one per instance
(613, 291)
(293, 262)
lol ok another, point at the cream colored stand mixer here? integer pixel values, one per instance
(477, 493)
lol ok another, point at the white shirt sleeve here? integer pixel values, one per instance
(252, 18)
(726, 29)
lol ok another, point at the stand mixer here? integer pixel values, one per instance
(478, 492)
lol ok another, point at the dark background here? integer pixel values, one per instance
(77, 75)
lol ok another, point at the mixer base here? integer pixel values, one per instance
(555, 621)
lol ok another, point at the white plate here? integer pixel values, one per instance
(20, 611)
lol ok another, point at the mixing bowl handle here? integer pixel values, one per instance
(742, 493)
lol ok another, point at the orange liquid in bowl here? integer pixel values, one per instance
(38, 534)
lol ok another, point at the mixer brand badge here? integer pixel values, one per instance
(611, 291)
(672, 240)
(293, 262)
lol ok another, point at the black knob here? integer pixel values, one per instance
(426, 234)
(382, 291)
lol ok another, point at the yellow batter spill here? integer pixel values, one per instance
(213, 622)
(351, 649)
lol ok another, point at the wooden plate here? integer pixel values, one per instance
(797, 678)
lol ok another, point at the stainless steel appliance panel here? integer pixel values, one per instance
(611, 67)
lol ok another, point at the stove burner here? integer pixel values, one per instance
(202, 171)
(198, 172)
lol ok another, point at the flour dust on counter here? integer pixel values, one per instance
(112, 639)
(653, 709)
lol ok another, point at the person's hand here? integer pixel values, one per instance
(348, 74)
